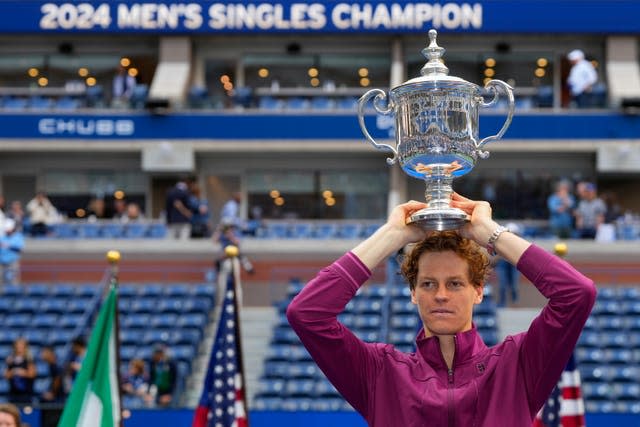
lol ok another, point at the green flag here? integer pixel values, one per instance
(95, 397)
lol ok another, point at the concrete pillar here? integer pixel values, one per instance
(397, 178)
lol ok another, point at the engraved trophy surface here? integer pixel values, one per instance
(436, 128)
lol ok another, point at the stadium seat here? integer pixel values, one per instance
(268, 403)
(37, 290)
(321, 103)
(198, 97)
(297, 103)
(67, 103)
(78, 305)
(27, 305)
(157, 231)
(269, 387)
(626, 391)
(610, 323)
(18, 321)
(301, 230)
(70, 321)
(285, 336)
(94, 96)
(405, 322)
(44, 320)
(300, 388)
(618, 356)
(277, 369)
(278, 353)
(135, 230)
(177, 290)
(597, 391)
(270, 103)
(302, 370)
(143, 305)
(131, 336)
(325, 231)
(164, 320)
(624, 374)
(139, 96)
(151, 290)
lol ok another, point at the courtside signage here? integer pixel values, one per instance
(207, 16)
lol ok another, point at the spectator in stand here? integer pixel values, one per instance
(581, 78)
(163, 376)
(16, 213)
(136, 381)
(21, 372)
(41, 213)
(78, 351)
(9, 415)
(561, 204)
(226, 235)
(55, 390)
(178, 212)
(508, 274)
(133, 214)
(11, 245)
(119, 210)
(122, 89)
(2, 213)
(590, 212)
(230, 213)
(200, 213)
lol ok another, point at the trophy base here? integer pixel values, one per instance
(439, 219)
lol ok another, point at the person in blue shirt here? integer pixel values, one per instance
(11, 245)
(561, 204)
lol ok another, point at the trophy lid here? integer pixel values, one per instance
(435, 70)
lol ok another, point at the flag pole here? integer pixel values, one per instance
(232, 252)
(113, 257)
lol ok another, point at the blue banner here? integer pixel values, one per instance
(287, 16)
(297, 128)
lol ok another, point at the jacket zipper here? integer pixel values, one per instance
(451, 416)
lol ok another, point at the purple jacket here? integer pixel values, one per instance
(504, 385)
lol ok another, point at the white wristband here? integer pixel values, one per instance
(494, 237)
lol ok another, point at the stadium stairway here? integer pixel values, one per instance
(512, 321)
(257, 327)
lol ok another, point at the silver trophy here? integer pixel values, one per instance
(436, 128)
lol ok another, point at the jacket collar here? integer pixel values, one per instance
(468, 343)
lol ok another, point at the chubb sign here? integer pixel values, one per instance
(85, 127)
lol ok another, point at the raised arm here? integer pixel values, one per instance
(350, 364)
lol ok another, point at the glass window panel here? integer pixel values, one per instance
(96, 183)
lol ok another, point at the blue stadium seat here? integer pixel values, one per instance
(178, 290)
(594, 373)
(44, 320)
(40, 103)
(607, 294)
(629, 293)
(36, 337)
(373, 291)
(136, 321)
(296, 103)
(27, 305)
(155, 336)
(347, 103)
(484, 321)
(94, 96)
(321, 103)
(164, 320)
(347, 319)
(278, 353)
(324, 389)
(78, 305)
(285, 336)
(589, 339)
(8, 336)
(67, 103)
(278, 369)
(300, 388)
(133, 402)
(301, 230)
(487, 307)
(60, 337)
(368, 321)
(268, 403)
(139, 96)
(349, 231)
(135, 230)
(367, 335)
(599, 406)
(270, 103)
(22, 320)
(328, 404)
(192, 320)
(269, 387)
(597, 391)
(128, 352)
(65, 230)
(298, 404)
(610, 323)
(37, 290)
(70, 321)
(403, 306)
(88, 290)
(10, 290)
(5, 351)
(198, 97)
(191, 336)
(157, 231)
(405, 322)
(631, 308)
(325, 231)
(112, 230)
(544, 97)
(152, 290)
(131, 336)
(366, 305)
(626, 391)
(143, 305)
(624, 374)
(89, 230)
(306, 370)
(184, 353)
(15, 104)
(402, 338)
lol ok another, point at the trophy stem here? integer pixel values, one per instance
(439, 215)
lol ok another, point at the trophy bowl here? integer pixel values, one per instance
(436, 128)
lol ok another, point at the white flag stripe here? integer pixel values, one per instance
(91, 413)
(571, 407)
(113, 377)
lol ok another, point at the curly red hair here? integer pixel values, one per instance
(441, 241)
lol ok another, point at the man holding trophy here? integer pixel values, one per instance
(453, 378)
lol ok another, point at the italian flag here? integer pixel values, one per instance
(95, 397)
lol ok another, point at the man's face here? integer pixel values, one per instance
(443, 293)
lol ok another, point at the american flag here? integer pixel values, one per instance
(223, 402)
(565, 407)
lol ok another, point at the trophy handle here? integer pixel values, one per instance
(493, 86)
(380, 96)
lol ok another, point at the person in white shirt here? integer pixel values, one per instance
(581, 78)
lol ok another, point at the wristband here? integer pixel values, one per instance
(492, 239)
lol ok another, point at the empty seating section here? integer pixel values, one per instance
(315, 230)
(107, 230)
(54, 314)
(292, 381)
(608, 352)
